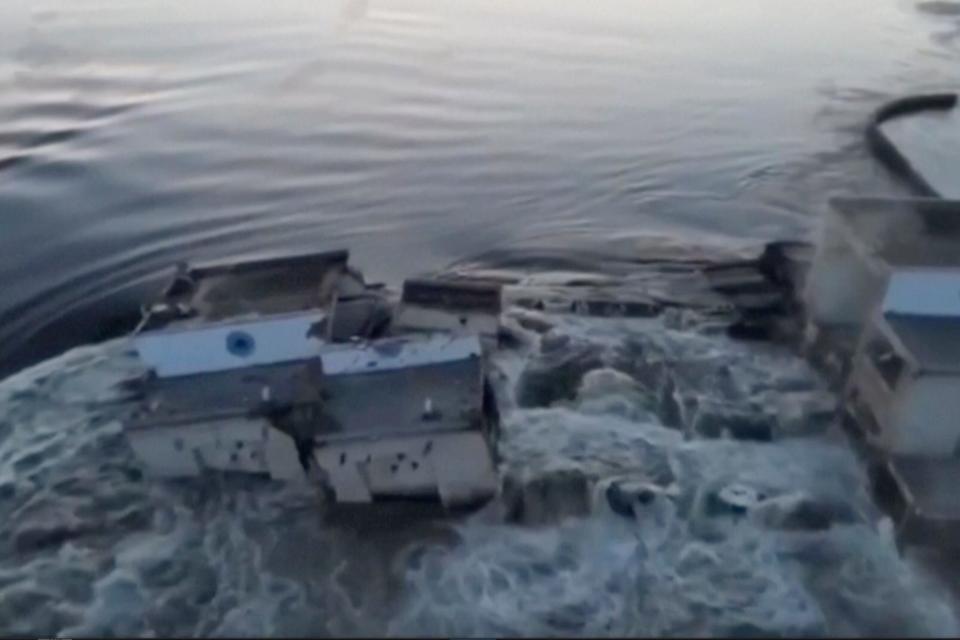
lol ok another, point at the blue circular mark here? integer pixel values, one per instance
(240, 343)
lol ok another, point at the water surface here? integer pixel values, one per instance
(539, 136)
(416, 132)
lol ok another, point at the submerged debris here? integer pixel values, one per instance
(715, 419)
(626, 496)
(547, 498)
(556, 372)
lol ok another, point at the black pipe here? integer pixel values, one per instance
(887, 153)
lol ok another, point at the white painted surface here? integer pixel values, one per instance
(348, 481)
(414, 475)
(284, 339)
(924, 292)
(417, 317)
(160, 456)
(205, 349)
(280, 456)
(456, 466)
(464, 468)
(182, 451)
(178, 451)
(398, 353)
(174, 451)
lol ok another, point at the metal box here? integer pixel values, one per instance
(865, 240)
(245, 375)
(905, 380)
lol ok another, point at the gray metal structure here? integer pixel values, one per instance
(288, 367)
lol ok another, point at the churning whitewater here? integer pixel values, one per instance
(658, 478)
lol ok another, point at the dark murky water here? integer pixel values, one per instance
(416, 132)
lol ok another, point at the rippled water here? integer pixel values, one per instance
(542, 136)
(136, 133)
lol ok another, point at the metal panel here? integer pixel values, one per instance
(398, 353)
(230, 346)
(924, 292)
(455, 466)
(264, 342)
(933, 343)
(228, 445)
(425, 318)
(464, 469)
(453, 294)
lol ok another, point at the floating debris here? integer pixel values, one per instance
(288, 367)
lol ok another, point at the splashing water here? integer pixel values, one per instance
(92, 547)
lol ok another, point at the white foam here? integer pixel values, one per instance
(236, 557)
